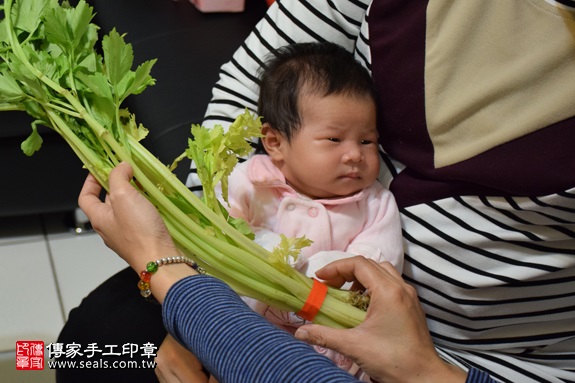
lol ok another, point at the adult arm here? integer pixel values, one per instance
(236, 344)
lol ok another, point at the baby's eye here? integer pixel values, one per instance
(333, 139)
(366, 142)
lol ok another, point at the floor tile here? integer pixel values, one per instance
(30, 305)
(11, 375)
(82, 262)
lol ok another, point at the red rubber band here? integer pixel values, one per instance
(314, 301)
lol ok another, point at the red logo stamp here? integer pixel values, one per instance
(29, 355)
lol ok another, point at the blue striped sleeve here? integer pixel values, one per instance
(236, 344)
(477, 376)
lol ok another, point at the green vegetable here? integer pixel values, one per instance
(49, 67)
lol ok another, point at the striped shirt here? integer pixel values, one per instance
(204, 314)
(489, 240)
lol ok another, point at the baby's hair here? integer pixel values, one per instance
(321, 69)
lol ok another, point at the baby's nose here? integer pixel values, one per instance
(353, 155)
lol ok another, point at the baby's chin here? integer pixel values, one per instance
(339, 189)
(338, 194)
(348, 187)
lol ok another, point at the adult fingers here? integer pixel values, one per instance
(175, 364)
(391, 271)
(355, 269)
(89, 199)
(120, 177)
(334, 339)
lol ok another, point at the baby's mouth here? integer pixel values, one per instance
(353, 175)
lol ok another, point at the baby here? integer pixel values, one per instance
(318, 176)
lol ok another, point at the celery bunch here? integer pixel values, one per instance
(49, 68)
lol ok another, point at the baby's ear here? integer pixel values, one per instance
(273, 142)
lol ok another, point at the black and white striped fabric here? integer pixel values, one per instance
(496, 279)
(495, 275)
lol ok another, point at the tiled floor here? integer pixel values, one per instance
(46, 270)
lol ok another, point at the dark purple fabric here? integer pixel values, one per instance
(539, 163)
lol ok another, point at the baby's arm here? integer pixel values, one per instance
(381, 238)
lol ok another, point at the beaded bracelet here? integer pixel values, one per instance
(152, 267)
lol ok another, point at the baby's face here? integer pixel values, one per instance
(334, 154)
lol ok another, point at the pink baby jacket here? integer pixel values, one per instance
(366, 223)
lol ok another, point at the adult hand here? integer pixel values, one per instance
(393, 344)
(175, 364)
(127, 222)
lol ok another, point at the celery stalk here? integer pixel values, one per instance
(49, 67)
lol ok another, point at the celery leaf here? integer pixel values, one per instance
(28, 14)
(242, 226)
(33, 143)
(118, 57)
(288, 248)
(10, 90)
(79, 19)
(56, 28)
(96, 83)
(138, 131)
(136, 82)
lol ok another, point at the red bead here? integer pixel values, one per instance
(145, 276)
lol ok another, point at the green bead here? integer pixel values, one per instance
(152, 267)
